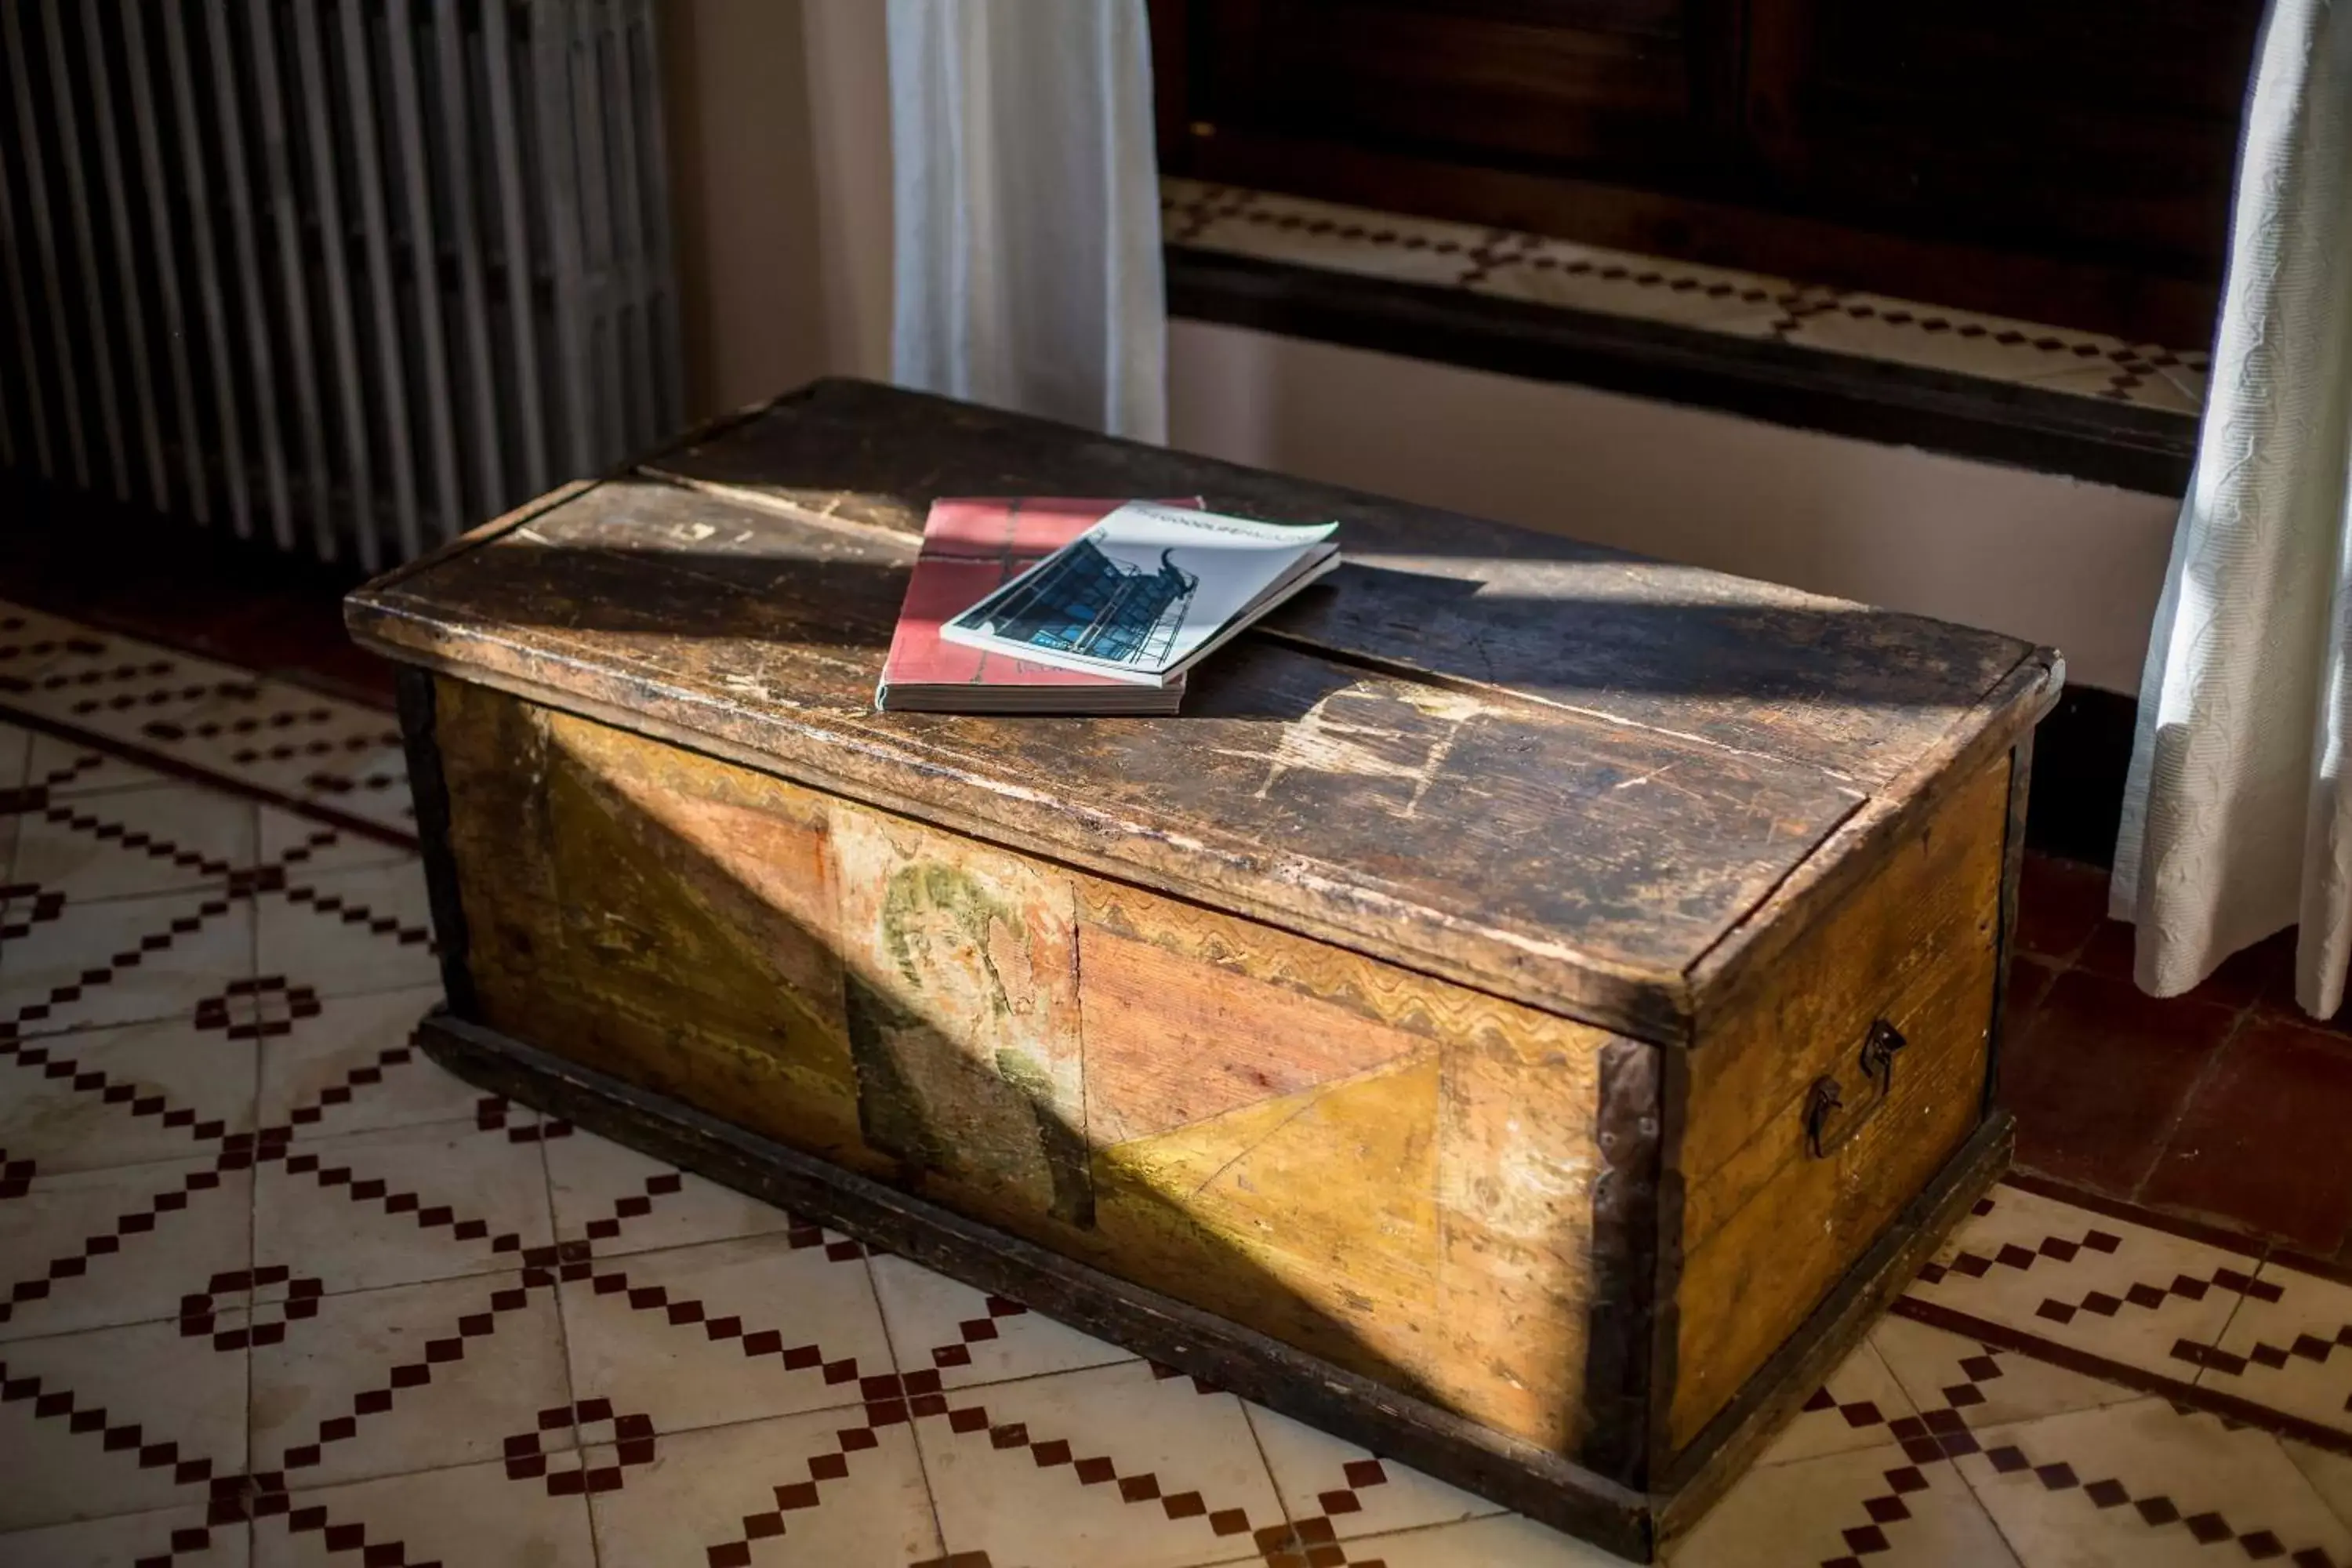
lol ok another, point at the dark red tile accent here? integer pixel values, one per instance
(2264, 1142)
(2059, 905)
(2100, 1076)
(2029, 983)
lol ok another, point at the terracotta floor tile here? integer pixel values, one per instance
(2059, 905)
(347, 933)
(2029, 983)
(2101, 1075)
(2240, 981)
(2267, 1140)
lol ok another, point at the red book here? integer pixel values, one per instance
(971, 548)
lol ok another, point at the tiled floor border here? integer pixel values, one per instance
(1511, 263)
(180, 768)
(2147, 1380)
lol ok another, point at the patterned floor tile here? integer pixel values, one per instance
(816, 1489)
(377, 1382)
(347, 1063)
(1500, 1541)
(165, 838)
(1330, 1486)
(1984, 1385)
(1858, 1408)
(275, 736)
(308, 848)
(2330, 1473)
(69, 966)
(370, 785)
(1962, 342)
(2117, 1290)
(1116, 1463)
(117, 688)
(970, 1337)
(346, 932)
(728, 1331)
(1350, 239)
(1881, 1506)
(119, 1420)
(123, 1245)
(16, 744)
(403, 1204)
(468, 1513)
(626, 1202)
(2289, 1348)
(1584, 278)
(68, 769)
(159, 1090)
(182, 1537)
(2143, 1484)
(2118, 385)
(1198, 214)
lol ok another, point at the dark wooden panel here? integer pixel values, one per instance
(2074, 158)
(1545, 78)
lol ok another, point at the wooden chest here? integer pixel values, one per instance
(1528, 1014)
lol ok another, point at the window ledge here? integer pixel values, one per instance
(2047, 398)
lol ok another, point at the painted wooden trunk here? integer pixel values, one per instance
(1527, 1014)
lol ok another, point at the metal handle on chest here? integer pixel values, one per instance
(1826, 1098)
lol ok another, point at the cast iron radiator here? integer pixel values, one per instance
(346, 276)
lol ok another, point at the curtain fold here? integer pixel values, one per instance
(2238, 813)
(1026, 194)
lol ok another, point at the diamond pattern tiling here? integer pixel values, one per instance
(279, 1290)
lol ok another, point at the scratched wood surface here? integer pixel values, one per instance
(1763, 1222)
(1397, 1177)
(1549, 855)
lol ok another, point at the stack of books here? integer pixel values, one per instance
(1051, 606)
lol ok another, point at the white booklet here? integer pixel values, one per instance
(1147, 591)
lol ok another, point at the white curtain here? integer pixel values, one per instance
(2238, 817)
(1027, 209)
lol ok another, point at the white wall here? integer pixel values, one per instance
(2060, 562)
(781, 134)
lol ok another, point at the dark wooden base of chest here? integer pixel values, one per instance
(1519, 1475)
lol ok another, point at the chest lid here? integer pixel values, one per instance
(1556, 773)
